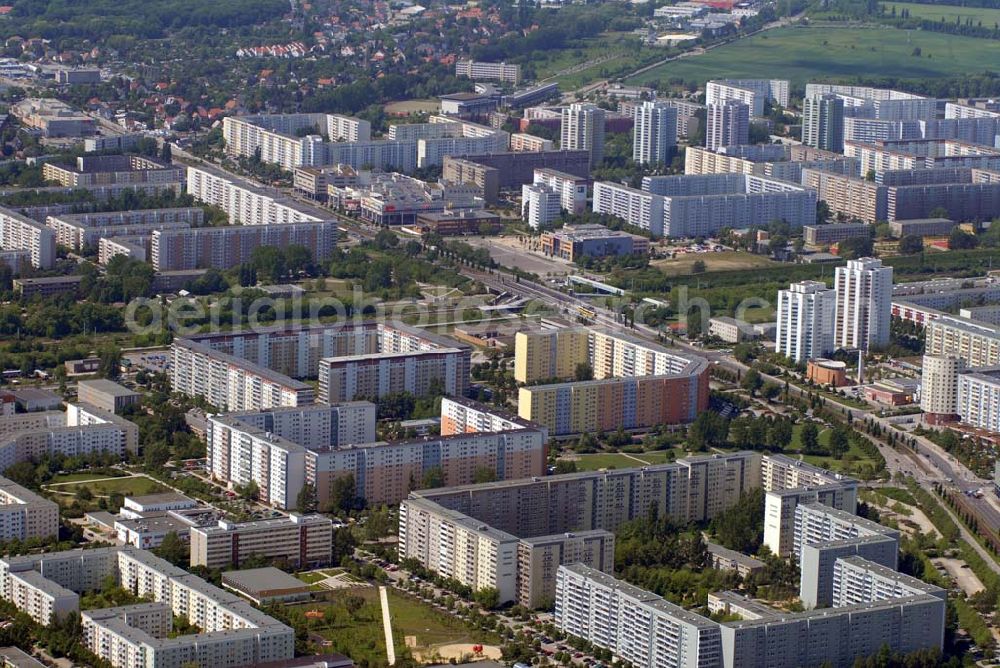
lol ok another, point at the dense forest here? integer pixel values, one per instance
(102, 18)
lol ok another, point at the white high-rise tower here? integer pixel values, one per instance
(864, 304)
(655, 133)
(806, 315)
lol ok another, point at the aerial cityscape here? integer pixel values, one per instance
(502, 334)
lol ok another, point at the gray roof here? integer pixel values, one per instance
(256, 580)
(108, 387)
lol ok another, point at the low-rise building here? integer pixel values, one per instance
(730, 330)
(923, 227)
(572, 242)
(825, 235)
(827, 372)
(53, 118)
(106, 394)
(47, 286)
(724, 559)
(459, 223)
(265, 585)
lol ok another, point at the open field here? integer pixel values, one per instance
(987, 15)
(80, 477)
(682, 265)
(591, 59)
(128, 486)
(406, 107)
(802, 53)
(359, 634)
(619, 460)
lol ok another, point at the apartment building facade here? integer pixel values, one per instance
(583, 129)
(864, 304)
(179, 248)
(85, 229)
(244, 202)
(977, 343)
(547, 521)
(727, 124)
(300, 540)
(20, 233)
(806, 317)
(978, 401)
(636, 625)
(24, 514)
(654, 135)
(484, 71)
(754, 93)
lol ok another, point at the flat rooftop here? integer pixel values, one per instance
(163, 497)
(108, 387)
(256, 580)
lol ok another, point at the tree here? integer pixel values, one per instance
(770, 391)
(249, 491)
(741, 527)
(583, 371)
(173, 549)
(343, 494)
(752, 382)
(484, 474)
(959, 239)
(698, 267)
(433, 478)
(306, 500)
(708, 430)
(856, 247)
(84, 494)
(488, 597)
(839, 442)
(911, 244)
(110, 362)
(809, 438)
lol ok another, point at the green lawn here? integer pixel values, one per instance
(987, 15)
(360, 636)
(311, 577)
(803, 53)
(796, 445)
(81, 477)
(616, 460)
(606, 55)
(128, 486)
(847, 464)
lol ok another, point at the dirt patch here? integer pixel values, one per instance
(407, 107)
(459, 652)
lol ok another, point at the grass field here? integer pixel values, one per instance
(127, 486)
(804, 53)
(616, 460)
(725, 261)
(847, 464)
(359, 635)
(987, 15)
(592, 58)
(79, 477)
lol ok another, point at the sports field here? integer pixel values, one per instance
(804, 53)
